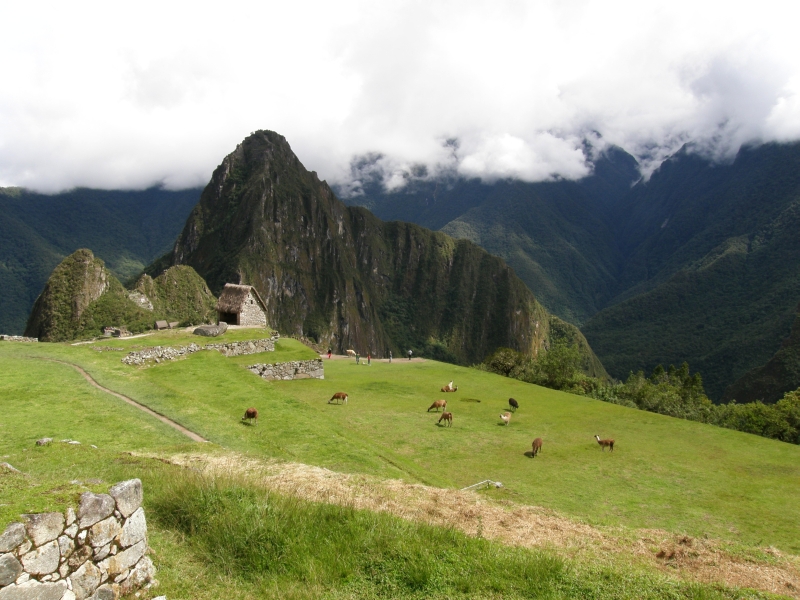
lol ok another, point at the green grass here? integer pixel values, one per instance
(678, 475)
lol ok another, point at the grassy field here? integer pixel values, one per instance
(664, 473)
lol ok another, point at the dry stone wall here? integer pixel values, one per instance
(97, 553)
(159, 353)
(18, 338)
(296, 369)
(246, 347)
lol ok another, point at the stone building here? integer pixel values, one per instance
(241, 305)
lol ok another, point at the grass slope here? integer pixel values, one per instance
(666, 473)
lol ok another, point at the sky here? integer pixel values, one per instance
(130, 95)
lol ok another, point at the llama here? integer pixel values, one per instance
(437, 405)
(338, 396)
(537, 446)
(250, 414)
(446, 416)
(447, 388)
(604, 443)
(513, 404)
(506, 416)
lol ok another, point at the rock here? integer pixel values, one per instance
(122, 576)
(43, 560)
(12, 537)
(43, 441)
(101, 553)
(22, 579)
(63, 570)
(44, 527)
(80, 556)
(8, 467)
(81, 537)
(128, 496)
(105, 592)
(142, 574)
(69, 517)
(68, 595)
(211, 330)
(103, 532)
(10, 569)
(114, 565)
(134, 530)
(72, 530)
(33, 590)
(94, 508)
(65, 545)
(85, 580)
(24, 547)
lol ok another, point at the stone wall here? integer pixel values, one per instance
(159, 353)
(96, 554)
(246, 347)
(18, 338)
(252, 313)
(297, 369)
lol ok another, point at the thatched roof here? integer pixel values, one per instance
(234, 296)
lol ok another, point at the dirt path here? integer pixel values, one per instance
(693, 559)
(190, 434)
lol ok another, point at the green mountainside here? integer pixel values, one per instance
(344, 277)
(127, 229)
(771, 381)
(701, 263)
(81, 297)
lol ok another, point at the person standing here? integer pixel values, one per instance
(358, 358)
(409, 354)
(369, 359)
(390, 356)
(329, 352)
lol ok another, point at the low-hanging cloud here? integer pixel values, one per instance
(100, 96)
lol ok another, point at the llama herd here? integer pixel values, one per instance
(439, 406)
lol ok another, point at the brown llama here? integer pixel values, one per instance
(604, 443)
(437, 405)
(537, 446)
(338, 396)
(506, 416)
(250, 414)
(446, 416)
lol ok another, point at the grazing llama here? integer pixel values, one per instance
(513, 404)
(250, 414)
(537, 446)
(446, 416)
(604, 443)
(506, 416)
(338, 396)
(437, 405)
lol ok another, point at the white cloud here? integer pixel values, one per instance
(126, 96)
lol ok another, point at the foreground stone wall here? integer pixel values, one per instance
(246, 347)
(96, 554)
(18, 338)
(297, 369)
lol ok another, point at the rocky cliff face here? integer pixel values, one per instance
(344, 277)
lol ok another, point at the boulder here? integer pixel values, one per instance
(141, 575)
(12, 537)
(34, 591)
(44, 527)
(94, 508)
(10, 569)
(128, 496)
(134, 530)
(43, 560)
(43, 441)
(211, 330)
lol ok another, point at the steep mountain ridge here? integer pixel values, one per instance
(343, 276)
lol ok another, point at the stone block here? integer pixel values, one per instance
(43, 560)
(85, 581)
(70, 517)
(71, 531)
(79, 556)
(102, 532)
(143, 573)
(44, 527)
(94, 508)
(128, 496)
(10, 569)
(12, 537)
(134, 530)
(101, 553)
(33, 590)
(24, 547)
(65, 545)
(114, 565)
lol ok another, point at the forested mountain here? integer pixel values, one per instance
(348, 279)
(127, 229)
(701, 263)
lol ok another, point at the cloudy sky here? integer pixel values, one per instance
(127, 95)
